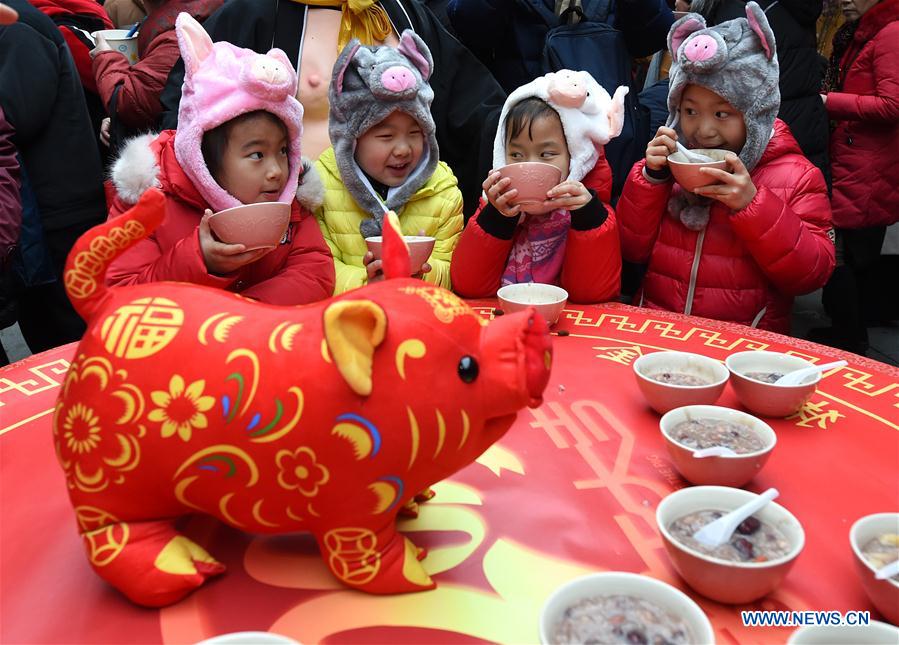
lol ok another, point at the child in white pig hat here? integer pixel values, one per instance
(569, 239)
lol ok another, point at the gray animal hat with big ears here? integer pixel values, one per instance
(737, 61)
(367, 85)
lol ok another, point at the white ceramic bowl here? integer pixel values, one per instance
(716, 471)
(768, 399)
(663, 397)
(629, 584)
(874, 633)
(420, 248)
(884, 594)
(249, 638)
(722, 580)
(549, 300)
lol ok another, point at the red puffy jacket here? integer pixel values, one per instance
(299, 271)
(863, 146)
(745, 266)
(138, 103)
(591, 270)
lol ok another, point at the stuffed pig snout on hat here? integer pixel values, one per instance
(327, 418)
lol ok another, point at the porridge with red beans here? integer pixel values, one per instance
(620, 619)
(882, 550)
(753, 541)
(705, 433)
(764, 377)
(678, 378)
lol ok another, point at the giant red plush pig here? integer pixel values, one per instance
(327, 418)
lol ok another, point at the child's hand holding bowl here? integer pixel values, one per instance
(221, 258)
(735, 188)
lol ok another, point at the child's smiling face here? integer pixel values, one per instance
(255, 165)
(708, 121)
(389, 151)
(543, 139)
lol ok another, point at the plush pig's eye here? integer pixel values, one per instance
(468, 369)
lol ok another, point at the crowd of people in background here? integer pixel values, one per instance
(413, 106)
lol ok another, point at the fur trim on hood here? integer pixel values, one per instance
(367, 85)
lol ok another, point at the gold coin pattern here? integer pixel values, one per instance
(353, 554)
(104, 545)
(81, 279)
(142, 328)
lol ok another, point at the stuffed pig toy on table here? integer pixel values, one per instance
(327, 418)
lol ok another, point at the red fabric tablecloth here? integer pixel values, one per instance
(572, 488)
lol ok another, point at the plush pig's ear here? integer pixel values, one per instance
(414, 48)
(682, 29)
(395, 260)
(353, 329)
(758, 22)
(616, 111)
(193, 41)
(341, 64)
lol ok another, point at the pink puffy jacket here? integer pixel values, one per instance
(745, 266)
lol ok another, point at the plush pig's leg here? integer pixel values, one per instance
(375, 559)
(150, 562)
(410, 508)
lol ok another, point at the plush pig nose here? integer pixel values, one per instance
(570, 95)
(397, 78)
(700, 48)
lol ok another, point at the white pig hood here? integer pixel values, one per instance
(590, 117)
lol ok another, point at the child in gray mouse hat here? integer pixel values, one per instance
(760, 232)
(384, 156)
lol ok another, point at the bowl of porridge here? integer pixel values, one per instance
(671, 380)
(874, 633)
(752, 376)
(548, 299)
(695, 427)
(875, 543)
(747, 567)
(620, 607)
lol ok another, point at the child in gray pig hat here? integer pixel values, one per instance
(384, 156)
(741, 247)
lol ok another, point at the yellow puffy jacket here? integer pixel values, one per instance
(435, 209)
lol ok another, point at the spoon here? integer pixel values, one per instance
(714, 451)
(693, 157)
(719, 531)
(798, 376)
(887, 571)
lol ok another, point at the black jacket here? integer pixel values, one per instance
(801, 70)
(467, 100)
(42, 98)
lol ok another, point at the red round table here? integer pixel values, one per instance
(572, 488)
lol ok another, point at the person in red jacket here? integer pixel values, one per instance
(137, 105)
(863, 100)
(740, 248)
(571, 239)
(238, 142)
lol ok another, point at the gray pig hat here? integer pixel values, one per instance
(367, 85)
(736, 60)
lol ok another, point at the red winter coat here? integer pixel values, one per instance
(138, 103)
(297, 272)
(591, 270)
(745, 266)
(864, 145)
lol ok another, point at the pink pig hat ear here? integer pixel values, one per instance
(758, 22)
(193, 41)
(682, 29)
(414, 48)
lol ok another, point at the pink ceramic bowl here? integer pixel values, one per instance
(687, 173)
(256, 226)
(663, 397)
(768, 399)
(532, 179)
(884, 594)
(420, 247)
(721, 580)
(716, 471)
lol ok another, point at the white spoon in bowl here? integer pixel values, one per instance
(887, 570)
(798, 376)
(719, 531)
(714, 451)
(693, 157)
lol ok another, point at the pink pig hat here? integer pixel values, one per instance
(590, 117)
(222, 82)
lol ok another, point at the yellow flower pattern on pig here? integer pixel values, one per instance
(299, 470)
(81, 429)
(181, 409)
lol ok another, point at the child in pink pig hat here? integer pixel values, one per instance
(238, 142)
